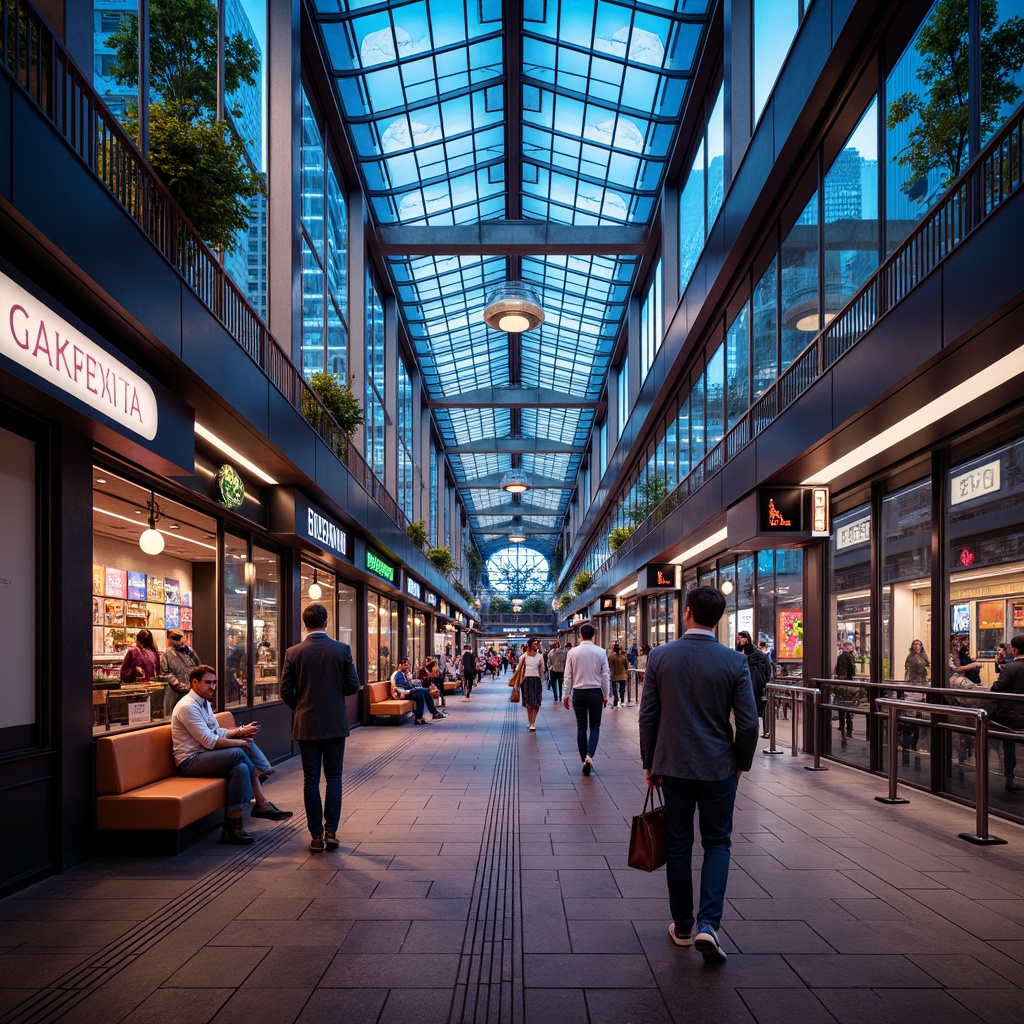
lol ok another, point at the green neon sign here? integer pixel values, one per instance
(380, 567)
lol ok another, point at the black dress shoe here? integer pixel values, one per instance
(316, 844)
(270, 812)
(236, 837)
(331, 840)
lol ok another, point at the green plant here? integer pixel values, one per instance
(565, 600)
(556, 561)
(581, 581)
(501, 605)
(202, 160)
(339, 401)
(475, 562)
(619, 536)
(649, 495)
(463, 593)
(417, 532)
(442, 560)
(535, 605)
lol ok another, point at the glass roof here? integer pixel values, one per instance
(460, 114)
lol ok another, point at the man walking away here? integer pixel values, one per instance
(318, 675)
(468, 671)
(556, 670)
(694, 688)
(587, 682)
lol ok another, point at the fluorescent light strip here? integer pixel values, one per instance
(715, 538)
(970, 390)
(628, 590)
(232, 454)
(142, 522)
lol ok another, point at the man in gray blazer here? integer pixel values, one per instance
(694, 688)
(318, 675)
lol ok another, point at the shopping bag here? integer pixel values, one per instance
(514, 699)
(434, 691)
(648, 837)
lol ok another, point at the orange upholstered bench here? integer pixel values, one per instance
(378, 695)
(141, 797)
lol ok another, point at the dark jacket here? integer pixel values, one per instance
(693, 689)
(1011, 680)
(846, 667)
(318, 675)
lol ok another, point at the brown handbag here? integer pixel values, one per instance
(648, 837)
(514, 698)
(517, 676)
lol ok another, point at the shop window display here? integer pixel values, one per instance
(132, 590)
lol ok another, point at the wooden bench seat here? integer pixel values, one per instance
(141, 800)
(381, 704)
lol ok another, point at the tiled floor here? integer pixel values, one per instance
(482, 878)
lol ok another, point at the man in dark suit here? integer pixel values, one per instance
(692, 689)
(318, 675)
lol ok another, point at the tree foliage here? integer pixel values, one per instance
(649, 495)
(501, 606)
(201, 160)
(939, 141)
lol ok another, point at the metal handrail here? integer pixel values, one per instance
(788, 692)
(36, 60)
(994, 175)
(981, 837)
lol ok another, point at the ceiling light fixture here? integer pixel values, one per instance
(513, 307)
(517, 536)
(223, 446)
(152, 541)
(315, 590)
(515, 482)
(726, 587)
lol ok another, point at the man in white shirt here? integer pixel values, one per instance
(587, 682)
(202, 749)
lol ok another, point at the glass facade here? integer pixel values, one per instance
(375, 451)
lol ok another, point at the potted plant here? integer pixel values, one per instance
(580, 582)
(340, 402)
(618, 537)
(417, 532)
(565, 600)
(442, 560)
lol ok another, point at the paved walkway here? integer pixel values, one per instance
(482, 878)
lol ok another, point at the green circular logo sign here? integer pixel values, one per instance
(229, 483)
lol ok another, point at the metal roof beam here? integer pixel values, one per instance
(511, 237)
(514, 446)
(492, 481)
(512, 398)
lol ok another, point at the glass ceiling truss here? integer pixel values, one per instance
(557, 111)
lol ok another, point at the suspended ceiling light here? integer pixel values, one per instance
(726, 587)
(513, 307)
(315, 590)
(515, 482)
(517, 536)
(152, 540)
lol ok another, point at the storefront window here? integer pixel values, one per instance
(416, 637)
(265, 610)
(347, 615)
(661, 618)
(134, 591)
(314, 579)
(382, 636)
(239, 574)
(906, 583)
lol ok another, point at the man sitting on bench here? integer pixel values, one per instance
(403, 687)
(204, 749)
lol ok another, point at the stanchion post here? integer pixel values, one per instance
(981, 836)
(771, 721)
(816, 717)
(893, 744)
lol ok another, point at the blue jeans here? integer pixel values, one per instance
(229, 763)
(588, 704)
(258, 758)
(331, 754)
(713, 802)
(619, 691)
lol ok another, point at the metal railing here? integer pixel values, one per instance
(981, 836)
(36, 60)
(995, 175)
(787, 693)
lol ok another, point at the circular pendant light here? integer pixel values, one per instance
(513, 307)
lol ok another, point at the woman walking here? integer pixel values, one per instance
(533, 681)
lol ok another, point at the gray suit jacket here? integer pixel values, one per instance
(691, 687)
(318, 674)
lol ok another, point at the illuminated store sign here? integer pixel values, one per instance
(37, 339)
(608, 603)
(975, 483)
(414, 588)
(377, 565)
(326, 533)
(660, 577)
(852, 534)
(431, 599)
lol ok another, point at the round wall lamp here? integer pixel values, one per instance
(513, 307)
(315, 590)
(726, 587)
(152, 540)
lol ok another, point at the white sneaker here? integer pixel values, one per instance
(680, 940)
(706, 943)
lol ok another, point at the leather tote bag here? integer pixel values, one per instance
(648, 837)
